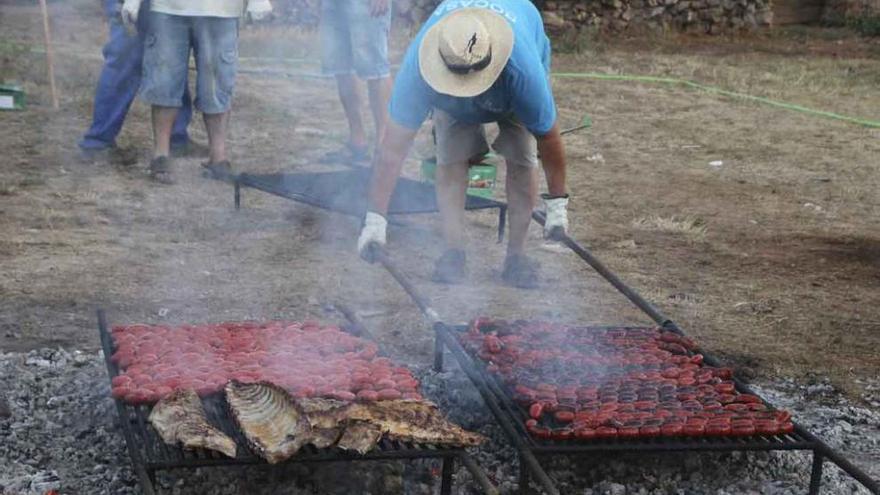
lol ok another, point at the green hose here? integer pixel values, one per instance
(605, 77)
(712, 89)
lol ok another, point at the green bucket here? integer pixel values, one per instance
(481, 176)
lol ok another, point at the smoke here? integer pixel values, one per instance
(182, 254)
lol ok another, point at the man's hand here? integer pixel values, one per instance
(259, 10)
(379, 7)
(129, 14)
(372, 235)
(556, 223)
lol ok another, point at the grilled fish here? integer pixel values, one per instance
(360, 436)
(180, 418)
(413, 421)
(273, 424)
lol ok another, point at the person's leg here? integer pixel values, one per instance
(519, 148)
(522, 190)
(520, 151)
(216, 125)
(380, 93)
(369, 48)
(215, 43)
(179, 134)
(166, 61)
(163, 122)
(118, 83)
(336, 61)
(349, 96)
(456, 144)
(451, 184)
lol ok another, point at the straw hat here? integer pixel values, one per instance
(464, 53)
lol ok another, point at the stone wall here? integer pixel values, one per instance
(710, 16)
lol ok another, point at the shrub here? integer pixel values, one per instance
(866, 25)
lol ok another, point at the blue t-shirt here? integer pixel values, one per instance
(522, 90)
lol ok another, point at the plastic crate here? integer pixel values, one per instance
(11, 97)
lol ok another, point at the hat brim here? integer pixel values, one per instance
(444, 81)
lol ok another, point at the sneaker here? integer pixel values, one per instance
(449, 268)
(520, 271)
(160, 170)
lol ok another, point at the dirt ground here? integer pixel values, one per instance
(771, 259)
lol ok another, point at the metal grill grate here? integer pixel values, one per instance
(511, 418)
(346, 192)
(149, 453)
(518, 415)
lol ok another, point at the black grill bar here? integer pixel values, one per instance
(346, 192)
(381, 257)
(137, 461)
(608, 275)
(508, 423)
(149, 453)
(421, 301)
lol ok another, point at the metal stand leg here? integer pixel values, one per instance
(237, 188)
(524, 488)
(480, 477)
(446, 477)
(438, 353)
(502, 221)
(148, 481)
(816, 473)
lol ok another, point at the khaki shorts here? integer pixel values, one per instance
(458, 142)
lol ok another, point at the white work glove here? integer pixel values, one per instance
(258, 10)
(557, 216)
(129, 14)
(372, 235)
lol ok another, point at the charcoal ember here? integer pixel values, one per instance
(5, 410)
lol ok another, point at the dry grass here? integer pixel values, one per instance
(773, 285)
(693, 228)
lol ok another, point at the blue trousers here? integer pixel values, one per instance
(120, 80)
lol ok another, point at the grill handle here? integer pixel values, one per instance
(608, 275)
(421, 301)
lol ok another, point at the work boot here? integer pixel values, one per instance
(449, 268)
(520, 271)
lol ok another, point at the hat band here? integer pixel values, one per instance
(466, 68)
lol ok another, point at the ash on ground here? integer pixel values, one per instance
(58, 431)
